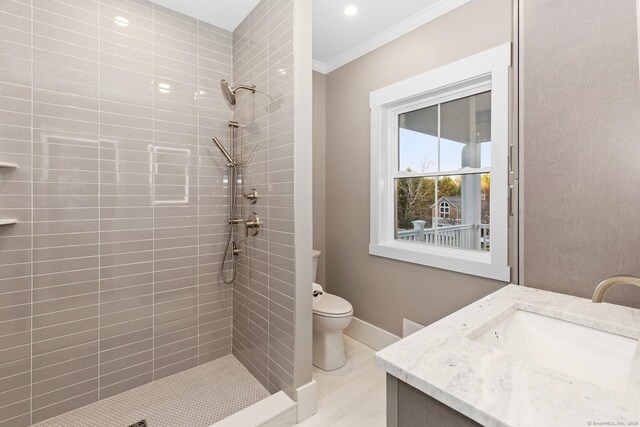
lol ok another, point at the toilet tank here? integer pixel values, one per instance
(316, 255)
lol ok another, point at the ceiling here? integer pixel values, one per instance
(337, 38)
(226, 14)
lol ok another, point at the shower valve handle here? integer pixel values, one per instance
(252, 196)
(236, 250)
(252, 225)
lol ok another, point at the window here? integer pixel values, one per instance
(445, 209)
(439, 167)
(444, 150)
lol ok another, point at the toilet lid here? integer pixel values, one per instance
(331, 305)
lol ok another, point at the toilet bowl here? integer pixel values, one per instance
(331, 315)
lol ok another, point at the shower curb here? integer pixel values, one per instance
(277, 410)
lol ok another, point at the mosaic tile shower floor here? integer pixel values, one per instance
(197, 397)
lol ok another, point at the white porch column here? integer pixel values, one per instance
(471, 186)
(419, 225)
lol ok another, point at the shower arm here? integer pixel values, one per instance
(249, 88)
(231, 163)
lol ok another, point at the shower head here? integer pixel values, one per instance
(229, 91)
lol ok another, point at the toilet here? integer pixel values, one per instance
(331, 315)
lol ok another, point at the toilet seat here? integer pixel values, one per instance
(328, 305)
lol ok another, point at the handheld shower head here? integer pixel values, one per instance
(231, 163)
(229, 92)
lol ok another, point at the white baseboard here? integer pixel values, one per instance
(307, 400)
(409, 327)
(370, 335)
(277, 410)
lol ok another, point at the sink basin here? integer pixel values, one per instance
(596, 356)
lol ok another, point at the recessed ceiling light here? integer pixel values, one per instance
(121, 21)
(350, 10)
(164, 87)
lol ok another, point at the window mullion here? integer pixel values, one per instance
(467, 171)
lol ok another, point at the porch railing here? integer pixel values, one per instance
(468, 236)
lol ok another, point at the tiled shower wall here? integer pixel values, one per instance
(263, 317)
(110, 278)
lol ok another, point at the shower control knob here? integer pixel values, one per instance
(236, 249)
(252, 196)
(252, 225)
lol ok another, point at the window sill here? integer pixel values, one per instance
(461, 261)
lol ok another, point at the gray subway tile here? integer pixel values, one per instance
(153, 258)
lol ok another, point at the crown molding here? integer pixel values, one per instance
(320, 67)
(428, 14)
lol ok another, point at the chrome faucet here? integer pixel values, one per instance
(605, 285)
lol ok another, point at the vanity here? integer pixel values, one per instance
(518, 357)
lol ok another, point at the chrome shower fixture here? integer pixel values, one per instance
(231, 163)
(229, 91)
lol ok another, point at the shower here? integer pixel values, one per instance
(231, 247)
(141, 198)
(253, 223)
(225, 153)
(229, 92)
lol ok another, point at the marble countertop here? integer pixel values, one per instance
(496, 388)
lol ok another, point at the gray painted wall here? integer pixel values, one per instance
(581, 106)
(319, 167)
(578, 153)
(383, 291)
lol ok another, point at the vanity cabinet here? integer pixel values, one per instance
(409, 407)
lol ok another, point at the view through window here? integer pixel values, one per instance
(443, 177)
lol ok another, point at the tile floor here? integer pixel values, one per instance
(198, 397)
(352, 396)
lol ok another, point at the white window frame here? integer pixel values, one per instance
(446, 212)
(488, 70)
